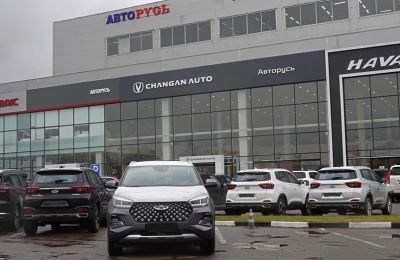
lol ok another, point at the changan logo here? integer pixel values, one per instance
(138, 87)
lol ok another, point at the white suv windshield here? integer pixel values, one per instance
(300, 175)
(252, 176)
(395, 171)
(160, 175)
(336, 175)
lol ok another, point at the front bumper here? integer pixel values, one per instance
(131, 232)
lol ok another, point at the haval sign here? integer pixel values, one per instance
(375, 62)
(138, 13)
(12, 102)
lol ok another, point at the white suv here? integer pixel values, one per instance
(266, 190)
(393, 180)
(343, 189)
(306, 176)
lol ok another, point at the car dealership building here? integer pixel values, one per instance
(295, 84)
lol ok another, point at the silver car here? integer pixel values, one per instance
(343, 189)
(393, 180)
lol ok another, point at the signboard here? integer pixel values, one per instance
(12, 102)
(96, 168)
(138, 13)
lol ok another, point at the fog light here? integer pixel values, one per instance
(206, 221)
(115, 222)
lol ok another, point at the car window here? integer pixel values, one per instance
(14, 181)
(336, 175)
(95, 178)
(374, 176)
(395, 171)
(282, 176)
(366, 174)
(160, 175)
(292, 178)
(312, 174)
(299, 175)
(59, 176)
(252, 176)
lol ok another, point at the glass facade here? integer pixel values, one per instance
(372, 120)
(260, 127)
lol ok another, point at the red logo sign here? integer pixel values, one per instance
(11, 102)
(138, 14)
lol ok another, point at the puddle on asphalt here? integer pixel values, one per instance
(314, 258)
(312, 232)
(258, 246)
(266, 236)
(390, 236)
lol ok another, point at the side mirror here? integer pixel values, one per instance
(211, 183)
(383, 180)
(300, 182)
(111, 184)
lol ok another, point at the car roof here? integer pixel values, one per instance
(64, 169)
(166, 163)
(263, 170)
(5, 171)
(344, 168)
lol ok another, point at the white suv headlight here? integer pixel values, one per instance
(121, 202)
(199, 202)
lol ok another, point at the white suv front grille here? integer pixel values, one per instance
(151, 212)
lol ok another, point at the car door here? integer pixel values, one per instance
(18, 189)
(287, 186)
(382, 190)
(299, 192)
(102, 193)
(372, 186)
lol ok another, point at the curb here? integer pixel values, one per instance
(285, 224)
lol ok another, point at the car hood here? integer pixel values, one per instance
(161, 194)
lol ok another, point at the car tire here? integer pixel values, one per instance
(15, 221)
(367, 211)
(316, 212)
(207, 247)
(94, 223)
(280, 207)
(30, 228)
(113, 250)
(387, 210)
(305, 210)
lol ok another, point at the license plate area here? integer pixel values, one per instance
(246, 195)
(332, 195)
(161, 228)
(54, 204)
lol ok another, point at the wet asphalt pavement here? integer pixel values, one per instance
(73, 242)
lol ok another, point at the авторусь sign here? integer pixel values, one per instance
(138, 13)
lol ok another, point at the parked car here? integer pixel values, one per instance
(224, 179)
(218, 191)
(12, 190)
(266, 190)
(161, 201)
(393, 180)
(306, 176)
(356, 188)
(65, 195)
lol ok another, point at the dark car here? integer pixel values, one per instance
(12, 190)
(217, 192)
(63, 196)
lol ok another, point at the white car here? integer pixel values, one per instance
(306, 176)
(393, 181)
(355, 188)
(266, 190)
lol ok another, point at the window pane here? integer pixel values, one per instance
(24, 121)
(166, 37)
(306, 92)
(147, 41)
(147, 152)
(261, 97)
(37, 139)
(81, 136)
(221, 124)
(24, 140)
(307, 117)
(202, 147)
(367, 7)
(322, 116)
(181, 105)
(254, 22)
(146, 130)
(283, 95)
(220, 101)
(340, 10)
(146, 108)
(240, 99)
(2, 123)
(284, 119)
(321, 91)
(178, 35)
(112, 112)
(123, 45)
(384, 6)
(285, 144)
(1, 144)
(96, 114)
(113, 154)
(324, 12)
(292, 16)
(66, 137)
(129, 153)
(385, 111)
(308, 14)
(37, 119)
(359, 139)
(136, 42)
(262, 119)
(129, 110)
(96, 135)
(386, 138)
(112, 46)
(51, 138)
(66, 156)
(239, 25)
(201, 126)
(182, 149)
(356, 88)
(308, 143)
(201, 103)
(205, 31)
(129, 132)
(226, 27)
(182, 128)
(268, 20)
(112, 133)
(81, 115)
(10, 122)
(263, 145)
(384, 85)
(191, 33)
(222, 146)
(51, 118)
(66, 116)
(358, 113)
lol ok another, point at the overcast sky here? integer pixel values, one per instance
(26, 32)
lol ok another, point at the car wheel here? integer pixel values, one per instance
(280, 207)
(94, 224)
(30, 228)
(15, 222)
(207, 247)
(305, 210)
(387, 210)
(316, 212)
(113, 250)
(367, 207)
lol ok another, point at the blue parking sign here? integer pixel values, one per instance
(96, 168)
